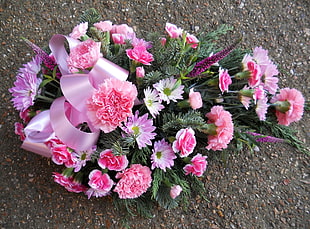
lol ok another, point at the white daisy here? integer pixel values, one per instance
(169, 89)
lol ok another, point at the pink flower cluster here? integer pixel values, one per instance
(134, 181)
(175, 33)
(185, 142)
(60, 153)
(107, 160)
(84, 55)
(111, 104)
(289, 106)
(69, 183)
(224, 128)
(195, 99)
(197, 166)
(262, 70)
(100, 184)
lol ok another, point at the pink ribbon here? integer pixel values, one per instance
(70, 110)
(64, 117)
(38, 131)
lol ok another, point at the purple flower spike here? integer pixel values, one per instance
(206, 63)
(48, 60)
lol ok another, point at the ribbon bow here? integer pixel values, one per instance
(70, 110)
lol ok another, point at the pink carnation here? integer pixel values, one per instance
(173, 30)
(100, 184)
(79, 30)
(111, 104)
(224, 128)
(134, 181)
(104, 26)
(140, 54)
(197, 166)
(60, 153)
(262, 108)
(25, 115)
(185, 142)
(84, 55)
(123, 29)
(224, 80)
(259, 93)
(69, 183)
(255, 71)
(19, 130)
(140, 73)
(195, 99)
(175, 191)
(191, 39)
(141, 42)
(119, 38)
(107, 160)
(290, 106)
(270, 81)
(163, 41)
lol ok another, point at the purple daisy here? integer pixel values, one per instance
(80, 158)
(26, 85)
(141, 129)
(163, 155)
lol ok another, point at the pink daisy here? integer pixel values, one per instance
(141, 128)
(163, 155)
(80, 158)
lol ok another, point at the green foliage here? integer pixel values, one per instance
(91, 16)
(141, 156)
(173, 122)
(208, 40)
(139, 206)
(233, 61)
(152, 77)
(283, 132)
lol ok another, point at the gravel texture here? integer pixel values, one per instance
(267, 189)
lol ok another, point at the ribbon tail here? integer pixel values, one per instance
(38, 148)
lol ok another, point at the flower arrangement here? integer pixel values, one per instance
(136, 119)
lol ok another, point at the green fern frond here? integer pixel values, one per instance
(91, 16)
(141, 156)
(173, 122)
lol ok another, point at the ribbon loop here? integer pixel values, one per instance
(68, 133)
